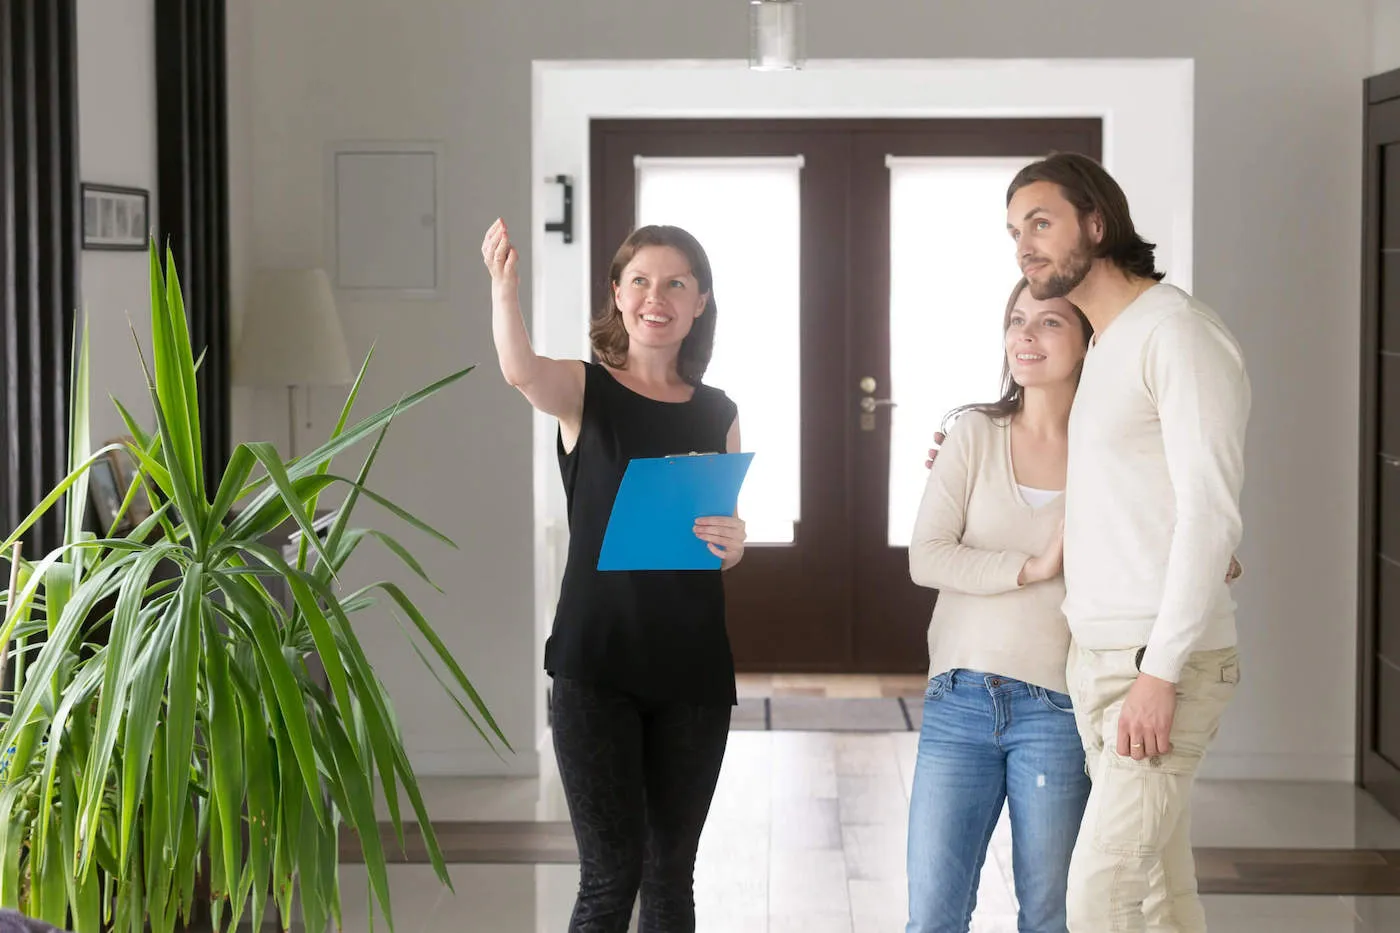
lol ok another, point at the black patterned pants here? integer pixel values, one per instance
(638, 777)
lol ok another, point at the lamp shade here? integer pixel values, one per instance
(291, 332)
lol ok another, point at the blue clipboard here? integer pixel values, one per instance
(652, 526)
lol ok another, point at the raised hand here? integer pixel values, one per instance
(500, 256)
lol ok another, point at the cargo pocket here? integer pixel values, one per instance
(1137, 805)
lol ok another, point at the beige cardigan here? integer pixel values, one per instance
(973, 534)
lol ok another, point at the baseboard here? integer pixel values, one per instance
(474, 763)
(1223, 766)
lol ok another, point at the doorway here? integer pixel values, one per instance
(861, 267)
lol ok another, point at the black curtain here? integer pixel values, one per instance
(40, 252)
(192, 148)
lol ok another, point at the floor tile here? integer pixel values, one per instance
(875, 852)
(806, 823)
(803, 882)
(872, 800)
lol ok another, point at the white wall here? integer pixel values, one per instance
(117, 145)
(1385, 35)
(1276, 215)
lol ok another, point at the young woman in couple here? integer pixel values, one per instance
(643, 677)
(998, 725)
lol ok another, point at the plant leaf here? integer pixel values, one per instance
(388, 748)
(181, 702)
(262, 798)
(360, 805)
(240, 465)
(446, 657)
(12, 833)
(79, 434)
(138, 746)
(54, 495)
(39, 678)
(290, 703)
(267, 456)
(311, 462)
(183, 360)
(338, 430)
(328, 651)
(171, 398)
(225, 753)
(402, 513)
(409, 560)
(116, 686)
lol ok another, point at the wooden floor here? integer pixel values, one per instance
(1343, 872)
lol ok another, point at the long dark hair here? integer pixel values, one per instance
(607, 332)
(1012, 393)
(1088, 186)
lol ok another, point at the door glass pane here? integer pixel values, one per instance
(952, 267)
(745, 213)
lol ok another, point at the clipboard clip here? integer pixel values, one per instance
(693, 453)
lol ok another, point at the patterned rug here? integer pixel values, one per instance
(827, 714)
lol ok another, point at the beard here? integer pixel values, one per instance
(1065, 278)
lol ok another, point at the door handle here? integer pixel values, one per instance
(869, 405)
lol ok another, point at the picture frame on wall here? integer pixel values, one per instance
(115, 217)
(109, 480)
(105, 496)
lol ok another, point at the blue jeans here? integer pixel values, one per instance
(987, 739)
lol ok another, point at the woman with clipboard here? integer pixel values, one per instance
(642, 670)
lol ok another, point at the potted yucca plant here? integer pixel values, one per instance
(185, 738)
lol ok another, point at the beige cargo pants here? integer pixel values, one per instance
(1132, 868)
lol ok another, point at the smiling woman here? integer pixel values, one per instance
(662, 293)
(642, 668)
(988, 537)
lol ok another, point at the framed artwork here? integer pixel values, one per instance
(115, 218)
(104, 495)
(109, 479)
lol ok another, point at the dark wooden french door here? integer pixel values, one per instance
(834, 595)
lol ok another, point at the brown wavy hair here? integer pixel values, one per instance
(1012, 394)
(607, 332)
(1088, 186)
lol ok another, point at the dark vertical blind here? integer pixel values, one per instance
(192, 146)
(40, 253)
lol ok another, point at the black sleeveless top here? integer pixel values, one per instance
(655, 634)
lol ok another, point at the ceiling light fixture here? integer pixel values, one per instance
(776, 35)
